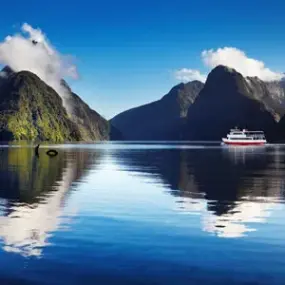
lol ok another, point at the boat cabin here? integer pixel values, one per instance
(236, 134)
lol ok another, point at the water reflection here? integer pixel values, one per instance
(238, 222)
(231, 188)
(145, 214)
(33, 192)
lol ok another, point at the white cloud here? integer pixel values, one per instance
(237, 59)
(234, 58)
(186, 75)
(31, 51)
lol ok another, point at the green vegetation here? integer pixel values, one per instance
(32, 175)
(27, 177)
(32, 110)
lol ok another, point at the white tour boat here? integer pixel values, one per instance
(245, 137)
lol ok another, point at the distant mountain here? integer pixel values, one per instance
(206, 112)
(159, 120)
(115, 134)
(228, 99)
(32, 110)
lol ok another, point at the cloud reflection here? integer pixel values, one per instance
(26, 229)
(258, 189)
(34, 193)
(223, 184)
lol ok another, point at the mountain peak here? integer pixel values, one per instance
(221, 71)
(32, 110)
(229, 99)
(7, 69)
(183, 85)
(161, 119)
(185, 89)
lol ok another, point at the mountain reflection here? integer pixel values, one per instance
(33, 191)
(231, 188)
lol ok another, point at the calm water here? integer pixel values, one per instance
(142, 214)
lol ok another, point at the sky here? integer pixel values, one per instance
(128, 53)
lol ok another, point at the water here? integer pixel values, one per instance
(142, 213)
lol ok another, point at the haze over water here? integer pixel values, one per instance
(142, 213)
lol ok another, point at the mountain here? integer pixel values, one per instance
(159, 120)
(115, 134)
(228, 99)
(92, 126)
(32, 110)
(206, 112)
(271, 94)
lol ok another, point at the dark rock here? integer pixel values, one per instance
(159, 120)
(228, 100)
(115, 134)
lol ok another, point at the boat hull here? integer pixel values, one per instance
(244, 142)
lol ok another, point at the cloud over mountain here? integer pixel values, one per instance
(186, 75)
(30, 50)
(231, 57)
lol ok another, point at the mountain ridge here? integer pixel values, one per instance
(32, 110)
(227, 99)
(234, 102)
(161, 119)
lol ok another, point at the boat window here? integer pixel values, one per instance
(254, 133)
(248, 138)
(238, 138)
(235, 133)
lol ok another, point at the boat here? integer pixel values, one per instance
(244, 137)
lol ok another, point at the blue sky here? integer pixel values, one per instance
(127, 51)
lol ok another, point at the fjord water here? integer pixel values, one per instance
(142, 213)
